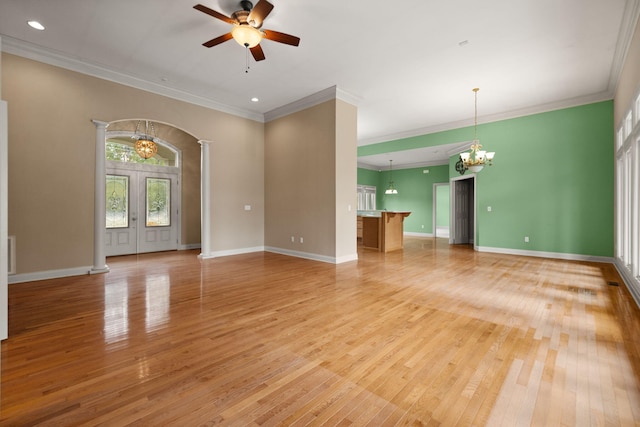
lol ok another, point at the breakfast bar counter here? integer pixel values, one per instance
(382, 230)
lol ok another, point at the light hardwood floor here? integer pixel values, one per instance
(431, 335)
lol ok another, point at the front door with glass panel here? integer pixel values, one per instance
(157, 225)
(141, 211)
(121, 237)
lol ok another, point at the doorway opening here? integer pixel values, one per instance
(463, 210)
(441, 209)
(142, 197)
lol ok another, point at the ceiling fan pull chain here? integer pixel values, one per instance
(246, 49)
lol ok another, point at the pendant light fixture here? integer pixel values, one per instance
(391, 189)
(475, 159)
(145, 142)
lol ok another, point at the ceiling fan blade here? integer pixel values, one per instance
(257, 53)
(281, 37)
(259, 12)
(218, 40)
(215, 14)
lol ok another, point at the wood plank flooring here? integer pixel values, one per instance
(433, 335)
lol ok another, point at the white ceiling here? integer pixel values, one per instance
(411, 64)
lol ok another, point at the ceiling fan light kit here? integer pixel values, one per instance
(246, 35)
(246, 27)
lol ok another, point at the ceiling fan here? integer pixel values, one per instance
(246, 27)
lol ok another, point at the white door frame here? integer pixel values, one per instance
(4, 230)
(435, 207)
(452, 212)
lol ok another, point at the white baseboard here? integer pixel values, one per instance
(413, 234)
(79, 271)
(314, 257)
(217, 254)
(189, 246)
(442, 231)
(632, 283)
(347, 258)
(49, 274)
(541, 254)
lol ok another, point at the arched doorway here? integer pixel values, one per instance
(151, 205)
(143, 197)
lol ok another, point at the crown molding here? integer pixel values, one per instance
(630, 18)
(537, 109)
(312, 100)
(403, 166)
(348, 97)
(47, 56)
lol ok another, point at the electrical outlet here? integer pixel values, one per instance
(488, 208)
(301, 240)
(526, 239)
(293, 239)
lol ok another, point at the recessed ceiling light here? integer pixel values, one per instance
(36, 25)
(254, 99)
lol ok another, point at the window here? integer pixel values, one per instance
(117, 193)
(628, 125)
(158, 202)
(635, 239)
(619, 138)
(122, 150)
(627, 191)
(366, 198)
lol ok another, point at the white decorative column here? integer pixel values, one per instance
(4, 224)
(99, 205)
(205, 200)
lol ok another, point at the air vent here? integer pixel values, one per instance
(613, 283)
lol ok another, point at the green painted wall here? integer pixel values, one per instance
(552, 180)
(415, 194)
(442, 206)
(369, 177)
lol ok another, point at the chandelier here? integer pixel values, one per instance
(391, 189)
(145, 142)
(475, 159)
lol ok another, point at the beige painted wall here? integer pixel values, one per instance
(300, 181)
(310, 181)
(52, 151)
(629, 84)
(346, 179)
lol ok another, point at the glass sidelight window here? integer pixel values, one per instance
(117, 193)
(158, 202)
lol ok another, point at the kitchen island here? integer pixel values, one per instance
(382, 230)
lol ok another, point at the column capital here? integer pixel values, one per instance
(100, 124)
